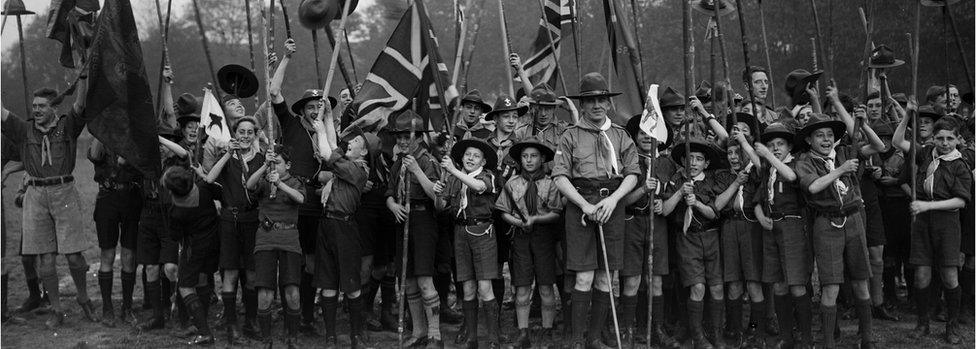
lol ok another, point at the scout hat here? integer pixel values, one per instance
(777, 130)
(697, 145)
(406, 121)
(308, 96)
(633, 129)
(883, 57)
(457, 152)
(708, 6)
(15, 8)
(901, 98)
(927, 111)
(594, 85)
(187, 109)
(316, 14)
(796, 83)
(505, 103)
(819, 121)
(474, 96)
(754, 125)
(543, 95)
(516, 151)
(671, 99)
(237, 81)
(704, 91)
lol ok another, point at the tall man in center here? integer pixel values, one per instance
(595, 166)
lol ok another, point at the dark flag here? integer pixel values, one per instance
(119, 105)
(72, 22)
(541, 65)
(625, 64)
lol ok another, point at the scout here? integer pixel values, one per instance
(946, 182)
(52, 212)
(377, 227)
(691, 202)
(830, 186)
(531, 203)
(470, 125)
(787, 258)
(277, 253)
(544, 127)
(640, 202)
(238, 83)
(897, 217)
(757, 79)
(195, 223)
(595, 166)
(415, 163)
(469, 195)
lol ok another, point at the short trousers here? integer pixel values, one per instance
(377, 229)
(308, 229)
(237, 244)
(116, 218)
(476, 255)
(583, 249)
(842, 251)
(156, 243)
(276, 267)
(422, 247)
(701, 262)
(936, 238)
(444, 261)
(742, 248)
(874, 227)
(787, 255)
(198, 256)
(636, 245)
(898, 228)
(52, 220)
(968, 224)
(534, 256)
(338, 256)
(504, 237)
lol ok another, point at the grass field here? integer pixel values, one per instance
(77, 333)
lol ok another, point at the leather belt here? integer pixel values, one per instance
(471, 221)
(237, 210)
(837, 214)
(338, 216)
(589, 187)
(49, 181)
(115, 185)
(778, 216)
(635, 211)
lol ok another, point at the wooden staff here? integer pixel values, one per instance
(962, 52)
(505, 47)
(723, 112)
(462, 32)
(945, 54)
(250, 36)
(576, 41)
(284, 15)
(868, 29)
(332, 63)
(206, 50)
(23, 56)
(315, 49)
(769, 65)
(689, 65)
(163, 33)
(269, 39)
(913, 151)
(745, 57)
(405, 181)
(350, 81)
(429, 42)
(469, 50)
(552, 48)
(640, 48)
(819, 46)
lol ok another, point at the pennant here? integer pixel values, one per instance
(72, 23)
(212, 118)
(651, 119)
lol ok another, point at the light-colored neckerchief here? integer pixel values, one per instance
(689, 214)
(739, 196)
(46, 141)
(464, 194)
(839, 187)
(770, 191)
(929, 183)
(608, 152)
(327, 188)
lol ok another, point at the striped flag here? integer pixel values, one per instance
(541, 65)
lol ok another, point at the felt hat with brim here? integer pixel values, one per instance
(543, 95)
(188, 118)
(819, 121)
(777, 130)
(755, 127)
(883, 57)
(901, 98)
(15, 8)
(457, 152)
(516, 151)
(407, 121)
(474, 96)
(316, 14)
(594, 85)
(704, 91)
(633, 129)
(503, 104)
(709, 6)
(186, 104)
(697, 145)
(938, 3)
(926, 111)
(237, 80)
(671, 99)
(796, 84)
(308, 96)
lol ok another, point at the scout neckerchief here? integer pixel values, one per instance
(532, 189)
(45, 141)
(310, 132)
(501, 151)
(740, 201)
(245, 157)
(605, 150)
(770, 190)
(464, 194)
(929, 183)
(469, 129)
(689, 214)
(401, 189)
(839, 187)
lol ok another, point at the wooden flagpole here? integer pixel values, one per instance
(505, 48)
(332, 64)
(745, 57)
(350, 81)
(163, 33)
(206, 49)
(769, 64)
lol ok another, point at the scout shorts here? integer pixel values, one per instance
(874, 227)
(583, 250)
(277, 267)
(116, 218)
(338, 256)
(700, 259)
(52, 220)
(476, 252)
(198, 256)
(787, 255)
(534, 256)
(936, 238)
(377, 229)
(636, 245)
(422, 247)
(237, 244)
(898, 229)
(840, 249)
(156, 244)
(742, 246)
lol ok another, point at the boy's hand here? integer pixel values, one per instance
(439, 187)
(369, 185)
(168, 74)
(918, 206)
(658, 206)
(399, 211)
(448, 164)
(697, 105)
(514, 60)
(274, 177)
(762, 150)
(411, 163)
(318, 124)
(831, 93)
(742, 178)
(688, 188)
(650, 184)
(691, 200)
(765, 222)
(849, 166)
(290, 47)
(875, 172)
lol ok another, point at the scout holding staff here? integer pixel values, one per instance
(469, 194)
(531, 203)
(595, 166)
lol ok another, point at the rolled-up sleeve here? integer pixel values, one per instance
(563, 163)
(806, 172)
(629, 157)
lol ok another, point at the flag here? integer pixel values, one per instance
(72, 22)
(409, 68)
(212, 118)
(119, 105)
(625, 63)
(541, 65)
(651, 119)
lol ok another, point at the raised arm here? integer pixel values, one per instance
(255, 178)
(173, 147)
(279, 75)
(217, 168)
(81, 94)
(838, 107)
(721, 134)
(898, 138)
(784, 170)
(470, 181)
(516, 63)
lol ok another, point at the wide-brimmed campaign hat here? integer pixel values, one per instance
(778, 130)
(407, 121)
(883, 129)
(516, 151)
(704, 91)
(709, 6)
(457, 152)
(927, 111)
(671, 99)
(187, 108)
(633, 129)
(594, 85)
(474, 96)
(819, 121)
(237, 80)
(15, 8)
(796, 83)
(308, 96)
(316, 14)
(883, 57)
(543, 95)
(503, 104)
(698, 145)
(755, 126)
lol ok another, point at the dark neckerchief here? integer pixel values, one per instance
(532, 190)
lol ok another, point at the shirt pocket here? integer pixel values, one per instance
(584, 161)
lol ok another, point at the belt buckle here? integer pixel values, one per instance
(604, 192)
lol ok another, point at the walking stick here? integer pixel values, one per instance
(284, 15)
(576, 42)
(689, 65)
(250, 42)
(769, 65)
(315, 50)
(269, 39)
(332, 63)
(206, 50)
(469, 50)
(650, 242)
(945, 53)
(505, 48)
(745, 57)
(722, 112)
(401, 296)
(606, 268)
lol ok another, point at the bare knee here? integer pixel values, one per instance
(828, 294)
(265, 296)
(735, 289)
(923, 275)
(107, 259)
(584, 280)
(697, 292)
(470, 289)
(426, 284)
(798, 291)
(291, 296)
(755, 291)
(330, 293)
(128, 260)
(485, 290)
(861, 290)
(657, 285)
(76, 261)
(631, 285)
(601, 281)
(171, 270)
(950, 277)
(717, 292)
(524, 293)
(546, 295)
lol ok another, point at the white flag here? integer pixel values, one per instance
(212, 118)
(651, 119)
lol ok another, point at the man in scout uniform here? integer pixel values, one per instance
(414, 163)
(473, 108)
(946, 183)
(545, 127)
(338, 249)
(757, 79)
(52, 211)
(640, 203)
(827, 175)
(531, 203)
(595, 166)
(298, 137)
(469, 195)
(691, 198)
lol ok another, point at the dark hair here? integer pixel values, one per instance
(283, 152)
(934, 91)
(845, 100)
(48, 93)
(253, 121)
(747, 73)
(947, 123)
(873, 95)
(178, 180)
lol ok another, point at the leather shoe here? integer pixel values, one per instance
(108, 319)
(88, 310)
(881, 312)
(250, 329)
(414, 342)
(56, 321)
(435, 343)
(152, 323)
(451, 316)
(662, 339)
(29, 305)
(921, 330)
(201, 340)
(523, 341)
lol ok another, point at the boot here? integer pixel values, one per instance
(522, 341)
(661, 339)
(695, 310)
(881, 312)
(88, 310)
(195, 307)
(733, 322)
(952, 297)
(33, 300)
(250, 298)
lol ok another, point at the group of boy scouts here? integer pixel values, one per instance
(746, 211)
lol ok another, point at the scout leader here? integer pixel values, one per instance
(417, 165)
(690, 199)
(338, 249)
(531, 203)
(946, 184)
(469, 194)
(828, 178)
(640, 203)
(787, 259)
(596, 165)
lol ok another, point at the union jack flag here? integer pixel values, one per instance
(541, 65)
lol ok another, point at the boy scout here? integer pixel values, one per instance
(596, 165)
(473, 108)
(830, 186)
(468, 196)
(531, 203)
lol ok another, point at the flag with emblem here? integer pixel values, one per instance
(541, 64)
(212, 118)
(409, 68)
(651, 121)
(625, 66)
(72, 23)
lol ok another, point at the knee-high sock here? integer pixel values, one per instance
(419, 319)
(30, 276)
(292, 318)
(205, 294)
(195, 305)
(442, 283)
(80, 277)
(369, 295)
(864, 319)
(548, 312)
(922, 305)
(105, 288)
(355, 315)
(733, 317)
(264, 322)
(128, 284)
(306, 295)
(757, 316)
(498, 288)
(388, 293)
(888, 284)
(146, 303)
(804, 316)
(250, 298)
(329, 306)
(490, 310)
(471, 319)
(953, 297)
(581, 310)
(628, 311)
(829, 314)
(432, 308)
(166, 288)
(598, 314)
(967, 281)
(695, 310)
(522, 310)
(715, 310)
(230, 307)
(657, 311)
(153, 292)
(784, 313)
